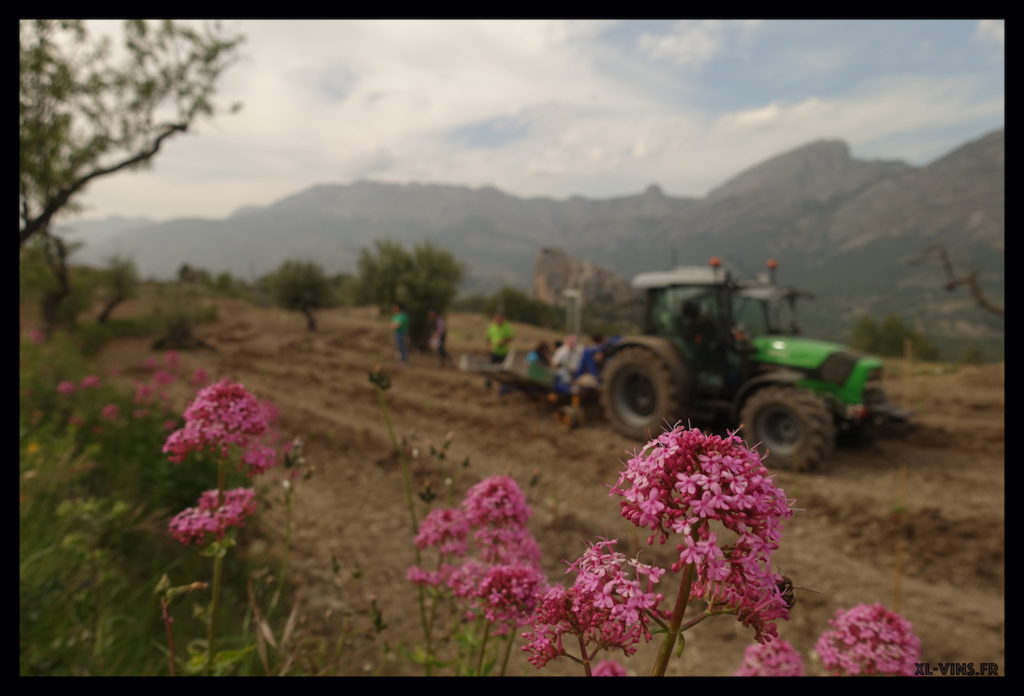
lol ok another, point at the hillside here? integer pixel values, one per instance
(844, 228)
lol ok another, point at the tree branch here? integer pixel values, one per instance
(61, 198)
(970, 280)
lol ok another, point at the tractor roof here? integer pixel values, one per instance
(683, 275)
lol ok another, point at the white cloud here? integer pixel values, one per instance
(992, 29)
(332, 101)
(692, 43)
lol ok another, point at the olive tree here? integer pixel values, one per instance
(301, 287)
(85, 115)
(422, 280)
(120, 282)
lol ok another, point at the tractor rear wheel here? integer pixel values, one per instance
(640, 395)
(794, 426)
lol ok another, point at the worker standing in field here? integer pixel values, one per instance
(437, 339)
(400, 327)
(499, 340)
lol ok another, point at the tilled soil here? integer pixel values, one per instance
(931, 504)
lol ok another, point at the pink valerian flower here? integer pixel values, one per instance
(200, 378)
(682, 481)
(143, 393)
(751, 591)
(163, 377)
(211, 518)
(140, 413)
(604, 607)
(869, 639)
(507, 545)
(270, 411)
(776, 658)
(76, 421)
(221, 415)
(90, 381)
(172, 360)
(608, 668)
(170, 425)
(37, 336)
(508, 594)
(150, 363)
(497, 500)
(445, 529)
(258, 458)
(110, 412)
(67, 387)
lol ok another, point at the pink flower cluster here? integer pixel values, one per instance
(684, 480)
(487, 556)
(213, 517)
(776, 658)
(604, 608)
(608, 668)
(869, 639)
(222, 415)
(508, 594)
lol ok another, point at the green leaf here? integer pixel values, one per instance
(226, 658)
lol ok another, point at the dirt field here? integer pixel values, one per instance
(353, 539)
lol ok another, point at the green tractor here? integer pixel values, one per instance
(717, 349)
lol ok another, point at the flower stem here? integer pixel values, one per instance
(677, 618)
(402, 458)
(287, 549)
(412, 518)
(168, 621)
(693, 622)
(483, 649)
(583, 652)
(508, 651)
(218, 566)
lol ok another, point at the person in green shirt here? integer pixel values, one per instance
(499, 336)
(400, 326)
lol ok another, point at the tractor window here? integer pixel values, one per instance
(783, 317)
(748, 316)
(666, 306)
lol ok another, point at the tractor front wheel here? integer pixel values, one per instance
(793, 425)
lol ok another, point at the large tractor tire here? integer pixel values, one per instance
(640, 395)
(792, 424)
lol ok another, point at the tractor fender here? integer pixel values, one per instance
(775, 377)
(661, 347)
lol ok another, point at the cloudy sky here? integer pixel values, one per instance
(566, 107)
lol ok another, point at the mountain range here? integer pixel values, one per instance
(846, 229)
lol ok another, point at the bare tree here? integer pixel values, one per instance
(953, 281)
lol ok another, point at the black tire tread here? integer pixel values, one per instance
(661, 377)
(816, 420)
